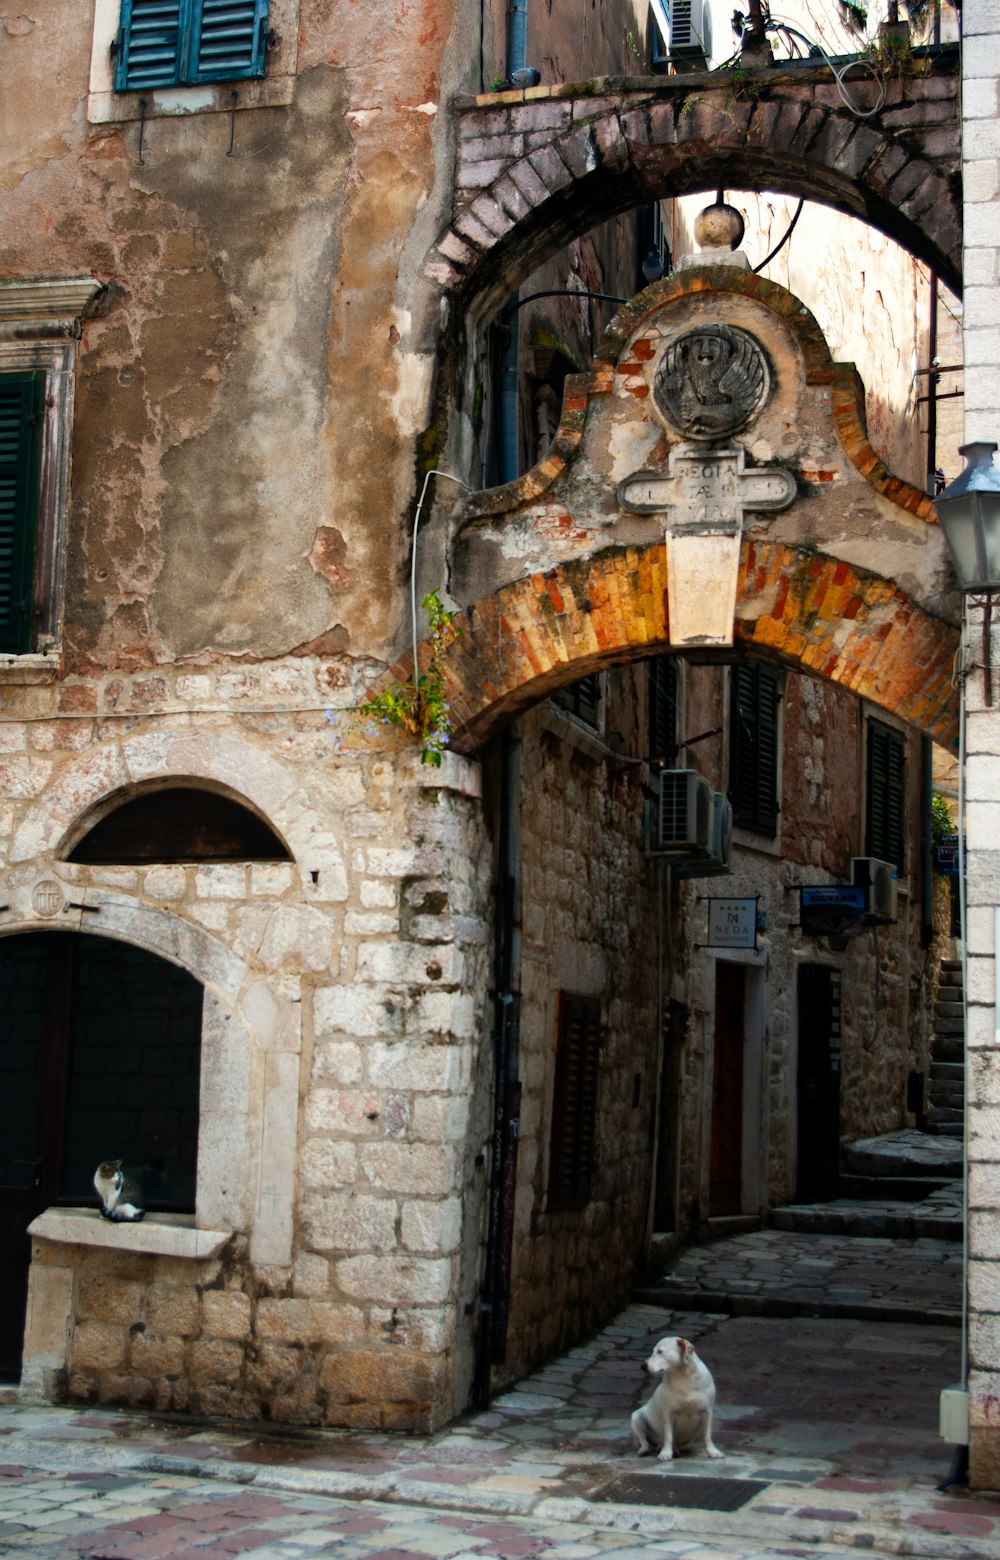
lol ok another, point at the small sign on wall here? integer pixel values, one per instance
(732, 923)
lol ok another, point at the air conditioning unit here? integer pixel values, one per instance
(681, 814)
(717, 859)
(878, 879)
(691, 31)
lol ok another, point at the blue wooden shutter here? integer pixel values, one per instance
(149, 44)
(21, 399)
(227, 40)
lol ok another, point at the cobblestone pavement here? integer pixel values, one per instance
(829, 1425)
(804, 1273)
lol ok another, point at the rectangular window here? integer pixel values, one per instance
(755, 697)
(582, 699)
(574, 1105)
(21, 405)
(169, 43)
(885, 822)
(662, 700)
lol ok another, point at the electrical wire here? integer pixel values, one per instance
(782, 241)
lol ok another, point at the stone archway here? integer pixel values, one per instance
(537, 168)
(559, 573)
(806, 609)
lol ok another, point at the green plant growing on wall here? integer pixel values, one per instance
(942, 822)
(418, 706)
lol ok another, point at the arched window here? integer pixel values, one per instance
(178, 823)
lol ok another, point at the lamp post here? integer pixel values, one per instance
(969, 512)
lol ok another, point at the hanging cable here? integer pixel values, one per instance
(779, 246)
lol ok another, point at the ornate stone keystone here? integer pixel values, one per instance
(703, 497)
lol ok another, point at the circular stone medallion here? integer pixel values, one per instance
(711, 382)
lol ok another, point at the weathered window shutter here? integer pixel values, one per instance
(582, 698)
(227, 39)
(21, 402)
(886, 810)
(756, 700)
(148, 51)
(662, 690)
(574, 1106)
(165, 43)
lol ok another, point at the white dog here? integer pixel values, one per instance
(678, 1417)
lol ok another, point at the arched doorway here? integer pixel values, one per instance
(100, 1046)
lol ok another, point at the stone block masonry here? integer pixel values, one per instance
(341, 1044)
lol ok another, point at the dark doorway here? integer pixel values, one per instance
(100, 1048)
(818, 1167)
(726, 1154)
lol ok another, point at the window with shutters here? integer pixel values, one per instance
(755, 700)
(39, 323)
(885, 819)
(582, 699)
(662, 690)
(21, 404)
(155, 58)
(574, 1105)
(169, 43)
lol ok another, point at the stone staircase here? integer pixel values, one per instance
(946, 1085)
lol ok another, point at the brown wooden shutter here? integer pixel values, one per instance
(574, 1106)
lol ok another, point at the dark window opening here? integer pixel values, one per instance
(885, 823)
(21, 402)
(753, 746)
(178, 824)
(582, 699)
(169, 43)
(574, 1106)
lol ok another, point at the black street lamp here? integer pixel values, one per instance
(969, 512)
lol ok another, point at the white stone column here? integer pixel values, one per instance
(981, 173)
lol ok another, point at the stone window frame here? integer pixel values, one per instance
(106, 105)
(39, 327)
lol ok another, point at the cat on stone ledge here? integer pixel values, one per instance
(122, 1197)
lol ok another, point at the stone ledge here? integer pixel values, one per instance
(159, 1234)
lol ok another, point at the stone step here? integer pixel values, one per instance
(897, 1188)
(951, 965)
(945, 1097)
(946, 1129)
(905, 1153)
(946, 1071)
(948, 1012)
(948, 1048)
(944, 1115)
(898, 1220)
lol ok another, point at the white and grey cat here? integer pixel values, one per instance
(121, 1194)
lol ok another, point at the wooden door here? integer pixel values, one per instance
(100, 1049)
(726, 1154)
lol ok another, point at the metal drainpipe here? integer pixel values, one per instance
(495, 1293)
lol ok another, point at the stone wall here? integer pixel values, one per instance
(590, 928)
(341, 1097)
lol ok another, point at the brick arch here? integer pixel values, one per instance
(537, 168)
(816, 613)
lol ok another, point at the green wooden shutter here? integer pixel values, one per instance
(886, 803)
(227, 39)
(21, 401)
(166, 43)
(574, 1105)
(753, 746)
(148, 51)
(662, 690)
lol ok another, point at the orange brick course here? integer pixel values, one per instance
(808, 609)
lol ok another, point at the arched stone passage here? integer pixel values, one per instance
(537, 168)
(807, 609)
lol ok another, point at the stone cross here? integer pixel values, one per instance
(703, 497)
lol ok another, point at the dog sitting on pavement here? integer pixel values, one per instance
(678, 1417)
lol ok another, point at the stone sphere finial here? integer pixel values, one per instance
(719, 227)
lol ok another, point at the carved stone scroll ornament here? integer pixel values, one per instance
(711, 382)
